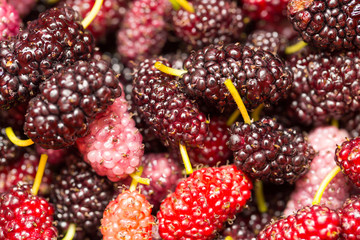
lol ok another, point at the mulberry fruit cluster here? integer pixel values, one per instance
(69, 101)
(53, 41)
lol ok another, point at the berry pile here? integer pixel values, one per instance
(69, 101)
(179, 119)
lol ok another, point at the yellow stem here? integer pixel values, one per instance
(324, 183)
(246, 20)
(259, 196)
(186, 5)
(51, 2)
(335, 123)
(136, 178)
(168, 70)
(235, 94)
(295, 48)
(15, 140)
(175, 5)
(233, 117)
(186, 160)
(70, 232)
(39, 174)
(92, 14)
(256, 113)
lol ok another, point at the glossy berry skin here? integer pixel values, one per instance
(203, 202)
(80, 195)
(53, 41)
(24, 216)
(113, 146)
(212, 22)
(9, 21)
(314, 222)
(325, 86)
(127, 217)
(173, 117)
(350, 218)
(330, 25)
(68, 102)
(348, 159)
(258, 75)
(267, 151)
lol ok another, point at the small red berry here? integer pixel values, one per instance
(127, 217)
(203, 202)
(350, 218)
(25, 216)
(315, 222)
(348, 159)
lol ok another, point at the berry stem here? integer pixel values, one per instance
(255, 115)
(259, 196)
(70, 232)
(233, 117)
(295, 48)
(51, 2)
(15, 140)
(186, 159)
(186, 5)
(235, 94)
(228, 238)
(92, 14)
(168, 70)
(324, 183)
(335, 123)
(39, 174)
(175, 5)
(136, 178)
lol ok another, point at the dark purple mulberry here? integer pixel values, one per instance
(55, 40)
(325, 86)
(258, 75)
(69, 101)
(172, 116)
(80, 196)
(212, 22)
(266, 151)
(327, 24)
